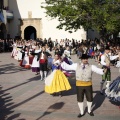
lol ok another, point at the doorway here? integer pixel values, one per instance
(2, 31)
(30, 33)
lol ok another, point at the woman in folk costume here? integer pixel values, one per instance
(36, 64)
(66, 56)
(113, 91)
(56, 62)
(83, 81)
(43, 59)
(17, 50)
(19, 47)
(56, 82)
(25, 59)
(30, 56)
(67, 59)
(14, 51)
(105, 61)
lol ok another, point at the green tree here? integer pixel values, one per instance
(102, 15)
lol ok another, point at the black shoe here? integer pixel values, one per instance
(60, 94)
(80, 115)
(91, 113)
(36, 73)
(54, 94)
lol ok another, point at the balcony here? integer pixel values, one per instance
(9, 14)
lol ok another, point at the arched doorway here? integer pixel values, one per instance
(2, 31)
(30, 33)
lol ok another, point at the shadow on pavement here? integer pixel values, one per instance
(10, 68)
(52, 109)
(29, 80)
(97, 100)
(7, 106)
(5, 102)
(23, 102)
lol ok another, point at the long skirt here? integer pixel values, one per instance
(14, 52)
(35, 65)
(56, 82)
(19, 56)
(113, 92)
(25, 62)
(31, 59)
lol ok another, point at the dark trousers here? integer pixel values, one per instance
(84, 90)
(43, 66)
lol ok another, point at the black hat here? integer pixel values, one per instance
(84, 56)
(107, 48)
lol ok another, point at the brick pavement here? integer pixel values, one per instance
(22, 96)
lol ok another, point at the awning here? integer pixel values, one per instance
(1, 17)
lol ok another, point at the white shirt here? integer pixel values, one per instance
(111, 58)
(74, 67)
(56, 62)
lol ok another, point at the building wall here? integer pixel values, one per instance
(22, 8)
(5, 3)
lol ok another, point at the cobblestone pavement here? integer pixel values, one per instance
(22, 96)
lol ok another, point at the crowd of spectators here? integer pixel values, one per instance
(6, 45)
(94, 48)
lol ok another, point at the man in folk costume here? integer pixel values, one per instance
(105, 61)
(42, 57)
(83, 82)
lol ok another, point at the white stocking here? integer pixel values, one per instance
(108, 84)
(45, 74)
(41, 74)
(89, 104)
(80, 105)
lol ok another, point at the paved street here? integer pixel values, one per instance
(22, 96)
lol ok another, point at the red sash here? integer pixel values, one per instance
(43, 61)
